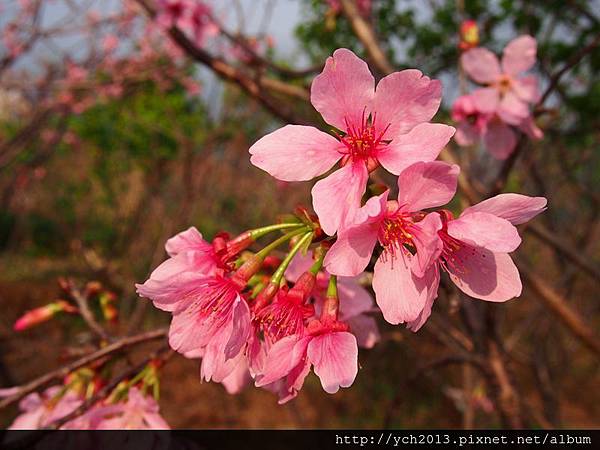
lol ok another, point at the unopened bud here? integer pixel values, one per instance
(265, 296)
(469, 35)
(42, 314)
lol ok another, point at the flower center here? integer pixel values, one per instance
(504, 84)
(284, 317)
(395, 232)
(363, 142)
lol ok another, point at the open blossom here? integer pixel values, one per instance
(490, 112)
(476, 249)
(355, 301)
(39, 411)
(327, 345)
(138, 412)
(386, 126)
(473, 124)
(401, 279)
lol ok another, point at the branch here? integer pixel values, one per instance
(559, 306)
(86, 313)
(62, 372)
(252, 86)
(366, 35)
(108, 388)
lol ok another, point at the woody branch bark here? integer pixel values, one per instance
(62, 372)
(257, 86)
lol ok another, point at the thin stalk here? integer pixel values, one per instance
(278, 274)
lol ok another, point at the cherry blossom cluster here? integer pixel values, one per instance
(256, 316)
(495, 112)
(129, 406)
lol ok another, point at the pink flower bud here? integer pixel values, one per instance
(42, 314)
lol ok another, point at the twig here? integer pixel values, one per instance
(366, 35)
(562, 310)
(108, 388)
(62, 372)
(87, 314)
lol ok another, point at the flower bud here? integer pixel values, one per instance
(469, 35)
(42, 314)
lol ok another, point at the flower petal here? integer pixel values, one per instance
(485, 230)
(355, 300)
(400, 294)
(499, 139)
(526, 88)
(337, 197)
(365, 330)
(486, 100)
(519, 55)
(343, 91)
(481, 65)
(427, 243)
(190, 239)
(485, 275)
(512, 109)
(427, 185)
(352, 250)
(515, 208)
(403, 100)
(432, 280)
(423, 143)
(281, 359)
(335, 359)
(296, 153)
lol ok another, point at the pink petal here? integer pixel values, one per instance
(294, 381)
(335, 359)
(400, 294)
(519, 55)
(512, 109)
(241, 328)
(352, 250)
(365, 329)
(337, 197)
(403, 100)
(296, 153)
(427, 243)
(423, 143)
(190, 239)
(481, 65)
(427, 185)
(485, 230)
(239, 378)
(529, 127)
(500, 140)
(466, 134)
(432, 279)
(486, 275)
(343, 91)
(355, 300)
(300, 264)
(526, 88)
(282, 358)
(515, 208)
(486, 99)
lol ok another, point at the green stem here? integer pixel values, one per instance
(278, 274)
(260, 232)
(314, 269)
(332, 287)
(277, 242)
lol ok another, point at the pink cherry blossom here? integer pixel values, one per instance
(401, 281)
(476, 249)
(39, 411)
(327, 346)
(474, 124)
(387, 126)
(139, 412)
(508, 93)
(355, 301)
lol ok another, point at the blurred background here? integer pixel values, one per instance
(116, 133)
